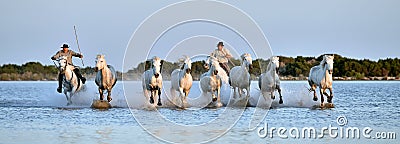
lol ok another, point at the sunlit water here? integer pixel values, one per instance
(33, 112)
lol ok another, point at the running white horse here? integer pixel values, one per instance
(225, 88)
(240, 76)
(181, 80)
(321, 76)
(106, 77)
(71, 83)
(212, 84)
(269, 81)
(152, 81)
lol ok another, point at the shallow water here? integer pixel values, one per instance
(33, 112)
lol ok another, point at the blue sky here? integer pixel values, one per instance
(34, 30)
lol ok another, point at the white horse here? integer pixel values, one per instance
(321, 76)
(106, 77)
(240, 76)
(212, 84)
(181, 80)
(269, 81)
(210, 61)
(71, 83)
(152, 81)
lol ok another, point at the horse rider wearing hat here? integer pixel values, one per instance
(68, 53)
(223, 55)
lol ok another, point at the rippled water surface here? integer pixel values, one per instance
(33, 112)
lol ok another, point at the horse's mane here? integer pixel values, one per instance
(270, 62)
(183, 60)
(323, 62)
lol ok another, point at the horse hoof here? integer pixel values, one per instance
(280, 101)
(214, 98)
(322, 105)
(151, 100)
(159, 104)
(315, 99)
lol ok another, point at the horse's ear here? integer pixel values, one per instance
(147, 65)
(161, 64)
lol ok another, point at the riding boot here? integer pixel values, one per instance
(225, 67)
(59, 89)
(79, 75)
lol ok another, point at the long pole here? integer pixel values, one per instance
(76, 37)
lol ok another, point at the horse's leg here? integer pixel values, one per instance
(272, 93)
(219, 96)
(152, 96)
(181, 96)
(331, 95)
(159, 96)
(248, 91)
(315, 92)
(101, 94)
(234, 92)
(109, 99)
(280, 94)
(68, 98)
(321, 91)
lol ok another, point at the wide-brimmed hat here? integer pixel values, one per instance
(65, 45)
(220, 44)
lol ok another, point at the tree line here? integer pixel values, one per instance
(289, 67)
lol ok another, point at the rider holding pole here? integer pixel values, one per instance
(223, 55)
(68, 53)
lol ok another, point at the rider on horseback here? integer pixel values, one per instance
(68, 53)
(223, 55)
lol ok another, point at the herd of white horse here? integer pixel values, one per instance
(320, 76)
(212, 81)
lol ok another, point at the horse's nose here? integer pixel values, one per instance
(215, 72)
(205, 66)
(188, 70)
(156, 75)
(250, 66)
(330, 71)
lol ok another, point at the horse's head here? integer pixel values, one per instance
(187, 64)
(214, 62)
(157, 66)
(328, 63)
(100, 63)
(206, 63)
(213, 70)
(247, 60)
(274, 62)
(62, 63)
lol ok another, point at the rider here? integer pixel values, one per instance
(69, 53)
(223, 55)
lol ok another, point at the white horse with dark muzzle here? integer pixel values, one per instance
(106, 77)
(269, 81)
(240, 76)
(212, 84)
(181, 80)
(71, 83)
(152, 81)
(321, 76)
